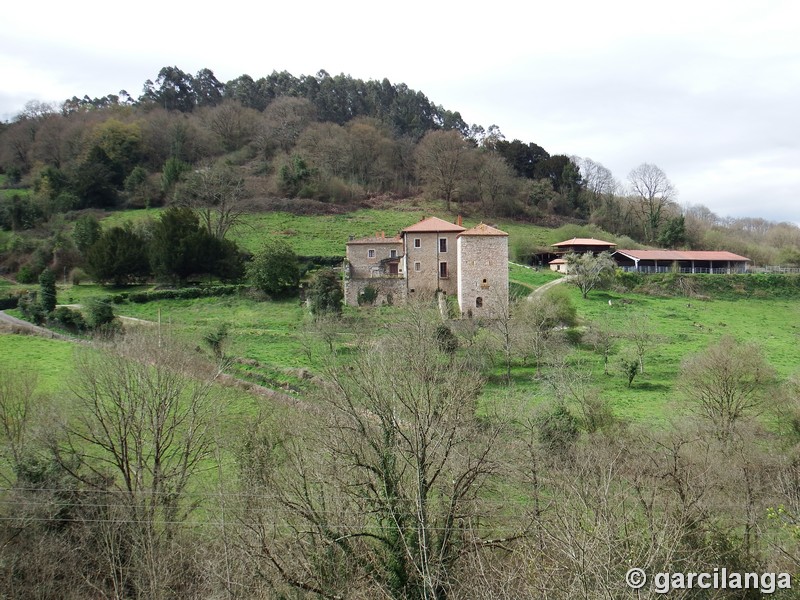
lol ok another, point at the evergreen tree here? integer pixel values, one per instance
(47, 291)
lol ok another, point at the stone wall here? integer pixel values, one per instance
(429, 257)
(391, 290)
(483, 275)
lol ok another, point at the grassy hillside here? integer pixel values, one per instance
(326, 235)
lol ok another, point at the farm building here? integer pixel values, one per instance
(429, 257)
(684, 261)
(577, 246)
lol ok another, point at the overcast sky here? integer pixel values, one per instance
(706, 90)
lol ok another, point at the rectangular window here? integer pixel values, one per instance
(443, 270)
(392, 253)
(442, 244)
(417, 243)
(417, 266)
(371, 253)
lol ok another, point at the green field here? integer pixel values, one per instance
(276, 339)
(326, 235)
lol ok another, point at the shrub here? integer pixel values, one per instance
(77, 276)
(325, 293)
(27, 274)
(69, 319)
(9, 302)
(31, 308)
(367, 296)
(98, 313)
(274, 269)
(558, 430)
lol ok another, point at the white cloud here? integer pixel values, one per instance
(705, 90)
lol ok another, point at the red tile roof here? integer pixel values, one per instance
(433, 224)
(584, 242)
(483, 229)
(372, 240)
(682, 255)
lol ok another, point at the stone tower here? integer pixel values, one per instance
(482, 255)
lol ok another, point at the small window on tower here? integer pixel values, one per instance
(417, 243)
(442, 244)
(417, 266)
(478, 302)
(371, 253)
(443, 270)
(392, 253)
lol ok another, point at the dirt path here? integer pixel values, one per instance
(16, 324)
(542, 289)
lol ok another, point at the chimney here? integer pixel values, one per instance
(458, 221)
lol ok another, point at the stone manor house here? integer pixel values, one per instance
(429, 257)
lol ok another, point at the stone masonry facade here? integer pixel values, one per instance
(430, 257)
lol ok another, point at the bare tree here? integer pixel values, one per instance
(603, 340)
(654, 193)
(388, 490)
(17, 405)
(142, 429)
(727, 382)
(216, 193)
(441, 163)
(639, 330)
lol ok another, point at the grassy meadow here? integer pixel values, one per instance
(275, 341)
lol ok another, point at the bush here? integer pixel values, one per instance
(274, 269)
(367, 296)
(69, 319)
(98, 313)
(558, 430)
(77, 276)
(31, 308)
(564, 311)
(325, 293)
(9, 302)
(27, 274)
(177, 294)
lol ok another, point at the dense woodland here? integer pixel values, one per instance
(316, 143)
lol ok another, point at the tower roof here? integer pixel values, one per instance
(433, 224)
(483, 229)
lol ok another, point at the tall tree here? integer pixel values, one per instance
(654, 193)
(119, 255)
(391, 485)
(441, 163)
(216, 193)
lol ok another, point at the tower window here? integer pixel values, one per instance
(417, 243)
(478, 302)
(371, 253)
(442, 244)
(392, 253)
(417, 266)
(443, 270)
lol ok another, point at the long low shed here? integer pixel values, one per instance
(685, 261)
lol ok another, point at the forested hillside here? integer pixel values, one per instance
(313, 143)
